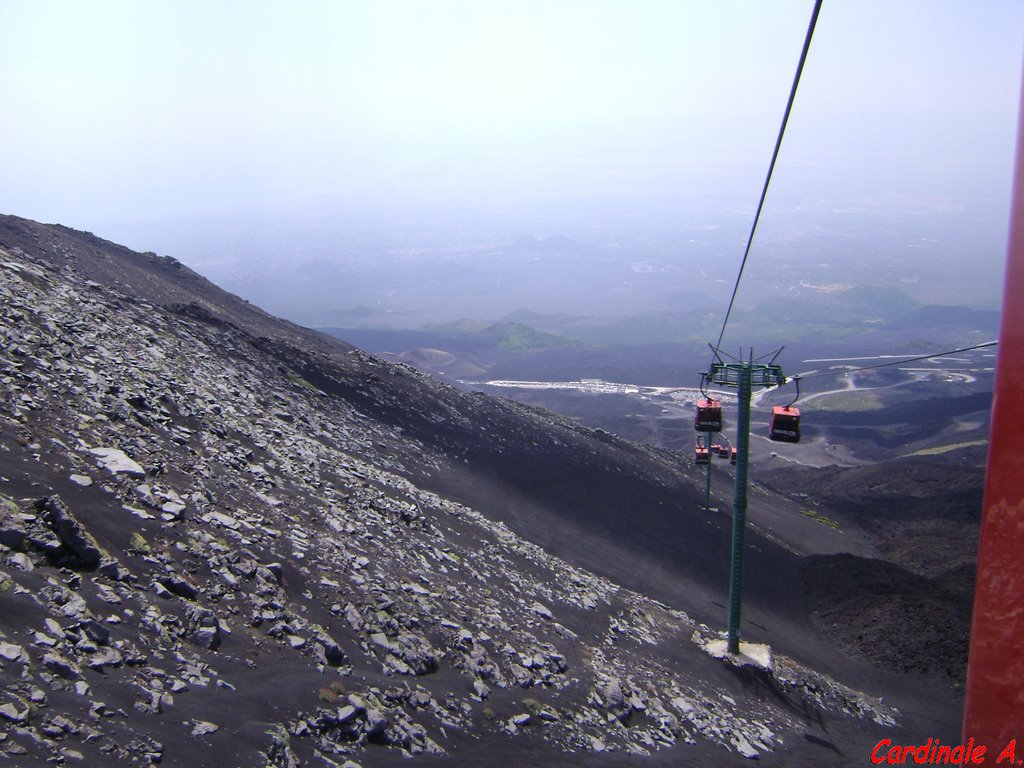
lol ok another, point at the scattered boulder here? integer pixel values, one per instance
(80, 548)
(61, 666)
(204, 728)
(13, 653)
(326, 649)
(14, 709)
(12, 528)
(202, 627)
(543, 611)
(117, 462)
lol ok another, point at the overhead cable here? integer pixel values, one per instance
(897, 362)
(771, 166)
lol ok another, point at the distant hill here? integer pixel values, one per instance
(458, 337)
(460, 350)
(518, 337)
(943, 317)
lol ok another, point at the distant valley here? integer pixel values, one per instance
(858, 410)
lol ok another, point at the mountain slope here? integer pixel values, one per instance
(224, 534)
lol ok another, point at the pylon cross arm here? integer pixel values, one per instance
(728, 374)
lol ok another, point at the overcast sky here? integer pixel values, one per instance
(142, 109)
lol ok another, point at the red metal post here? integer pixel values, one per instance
(994, 707)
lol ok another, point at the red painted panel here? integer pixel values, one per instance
(994, 709)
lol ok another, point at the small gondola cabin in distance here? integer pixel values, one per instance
(785, 424)
(701, 455)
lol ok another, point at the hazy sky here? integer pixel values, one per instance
(142, 109)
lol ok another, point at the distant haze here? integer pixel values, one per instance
(253, 140)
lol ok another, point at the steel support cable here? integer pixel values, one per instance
(771, 166)
(897, 362)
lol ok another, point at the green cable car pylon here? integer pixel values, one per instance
(744, 376)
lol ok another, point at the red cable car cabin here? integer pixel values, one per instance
(709, 416)
(701, 455)
(785, 424)
(732, 458)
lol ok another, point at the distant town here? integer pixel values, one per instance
(598, 386)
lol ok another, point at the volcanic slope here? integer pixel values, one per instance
(924, 515)
(229, 540)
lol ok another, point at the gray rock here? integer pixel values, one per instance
(522, 676)
(202, 728)
(463, 639)
(84, 551)
(173, 508)
(117, 461)
(420, 699)
(346, 714)
(202, 627)
(376, 722)
(180, 587)
(398, 666)
(110, 568)
(744, 747)
(416, 652)
(15, 711)
(353, 617)
(108, 657)
(12, 530)
(326, 649)
(95, 631)
(21, 561)
(543, 611)
(162, 591)
(358, 703)
(59, 665)
(611, 694)
(12, 652)
(223, 520)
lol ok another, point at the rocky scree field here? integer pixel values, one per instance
(226, 540)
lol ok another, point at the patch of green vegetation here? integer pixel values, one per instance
(332, 693)
(849, 401)
(280, 735)
(946, 448)
(516, 337)
(820, 518)
(294, 378)
(532, 705)
(459, 327)
(138, 543)
(489, 713)
(922, 346)
(884, 300)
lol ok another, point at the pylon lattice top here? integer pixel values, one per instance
(761, 375)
